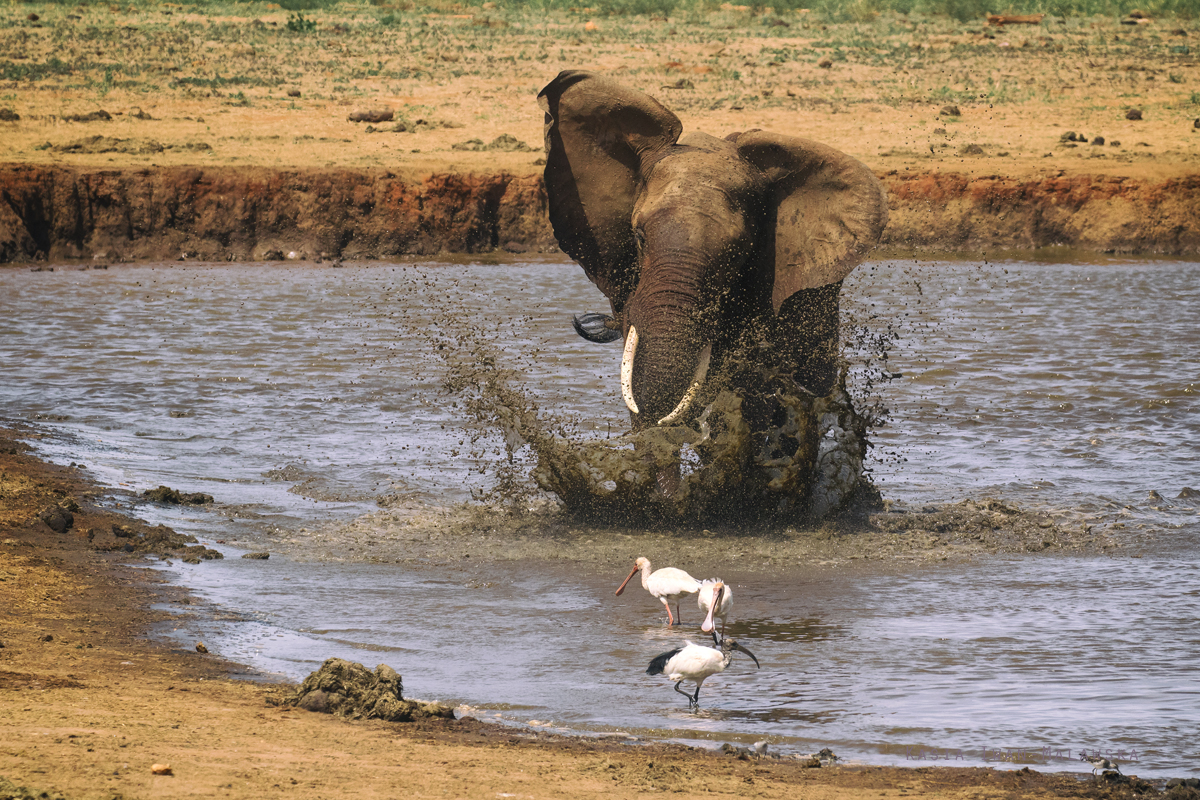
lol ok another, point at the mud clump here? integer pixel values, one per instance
(158, 540)
(350, 690)
(58, 517)
(165, 494)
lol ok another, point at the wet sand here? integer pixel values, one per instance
(90, 703)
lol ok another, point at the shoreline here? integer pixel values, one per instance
(85, 685)
(55, 213)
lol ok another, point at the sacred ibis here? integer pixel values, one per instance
(694, 662)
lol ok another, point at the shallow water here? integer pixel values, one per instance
(298, 394)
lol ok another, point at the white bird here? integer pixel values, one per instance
(715, 600)
(694, 662)
(666, 584)
(1099, 763)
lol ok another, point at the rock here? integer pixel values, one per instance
(509, 144)
(371, 115)
(263, 556)
(316, 700)
(99, 115)
(1187, 492)
(950, 111)
(165, 494)
(349, 689)
(293, 92)
(32, 17)
(824, 63)
(1133, 113)
(1153, 495)
(161, 769)
(58, 518)
(109, 144)
(8, 115)
(200, 648)
(47, 638)
(273, 255)
(1099, 140)
(123, 532)
(1069, 136)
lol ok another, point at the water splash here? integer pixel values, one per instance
(804, 468)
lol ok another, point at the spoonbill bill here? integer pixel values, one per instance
(666, 584)
(694, 662)
(715, 600)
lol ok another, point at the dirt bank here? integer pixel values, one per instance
(89, 706)
(258, 213)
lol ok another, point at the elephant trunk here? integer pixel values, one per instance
(664, 367)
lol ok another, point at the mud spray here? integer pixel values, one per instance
(806, 467)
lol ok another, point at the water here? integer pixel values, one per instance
(297, 395)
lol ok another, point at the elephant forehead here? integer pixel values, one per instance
(695, 177)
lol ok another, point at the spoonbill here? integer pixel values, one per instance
(666, 584)
(694, 662)
(715, 600)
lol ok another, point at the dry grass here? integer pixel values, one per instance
(222, 78)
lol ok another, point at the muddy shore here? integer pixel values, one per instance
(225, 213)
(90, 703)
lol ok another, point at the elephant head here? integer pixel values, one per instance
(695, 239)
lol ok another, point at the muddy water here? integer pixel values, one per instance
(306, 399)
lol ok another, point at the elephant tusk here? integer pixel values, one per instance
(627, 369)
(694, 389)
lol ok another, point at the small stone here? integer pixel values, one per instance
(161, 769)
(951, 111)
(200, 648)
(263, 556)
(1099, 140)
(371, 115)
(824, 63)
(1133, 113)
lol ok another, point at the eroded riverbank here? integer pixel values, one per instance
(227, 213)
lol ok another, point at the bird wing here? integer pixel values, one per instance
(671, 581)
(660, 662)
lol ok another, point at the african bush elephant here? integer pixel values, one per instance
(701, 242)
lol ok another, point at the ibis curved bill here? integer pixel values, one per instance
(666, 584)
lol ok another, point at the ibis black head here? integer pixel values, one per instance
(729, 645)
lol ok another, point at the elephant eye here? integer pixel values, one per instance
(639, 236)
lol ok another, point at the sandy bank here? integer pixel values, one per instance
(88, 705)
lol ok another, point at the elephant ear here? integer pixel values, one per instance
(828, 210)
(599, 137)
